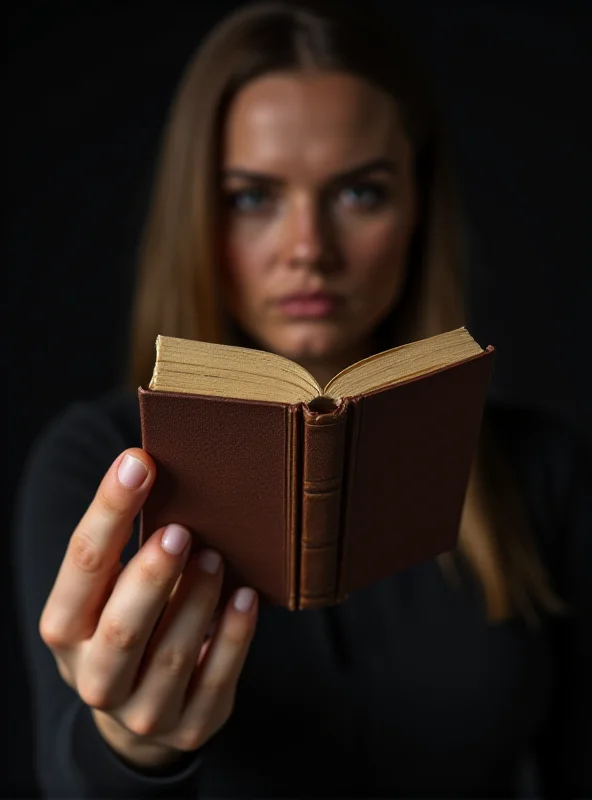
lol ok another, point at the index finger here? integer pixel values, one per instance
(78, 594)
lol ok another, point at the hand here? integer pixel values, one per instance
(133, 642)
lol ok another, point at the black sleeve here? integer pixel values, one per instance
(565, 753)
(61, 476)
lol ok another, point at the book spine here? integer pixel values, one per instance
(292, 495)
(322, 484)
(354, 424)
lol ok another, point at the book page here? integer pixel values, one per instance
(204, 368)
(404, 362)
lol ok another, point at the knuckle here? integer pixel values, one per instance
(95, 696)
(224, 705)
(111, 504)
(218, 684)
(152, 572)
(237, 633)
(236, 637)
(118, 635)
(52, 633)
(173, 661)
(142, 725)
(191, 737)
(65, 673)
(85, 554)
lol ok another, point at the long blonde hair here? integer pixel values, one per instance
(178, 291)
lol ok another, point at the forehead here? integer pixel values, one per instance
(315, 122)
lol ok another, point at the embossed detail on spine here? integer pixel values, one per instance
(323, 460)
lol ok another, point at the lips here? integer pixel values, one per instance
(309, 305)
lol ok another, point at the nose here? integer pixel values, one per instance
(309, 238)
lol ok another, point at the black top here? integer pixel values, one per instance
(404, 690)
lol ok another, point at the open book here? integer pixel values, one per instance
(311, 492)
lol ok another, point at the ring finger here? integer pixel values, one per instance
(172, 655)
(214, 682)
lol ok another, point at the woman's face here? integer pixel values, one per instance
(320, 206)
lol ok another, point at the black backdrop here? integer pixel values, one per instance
(85, 90)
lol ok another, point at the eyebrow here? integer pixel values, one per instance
(375, 165)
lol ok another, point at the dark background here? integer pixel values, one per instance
(85, 90)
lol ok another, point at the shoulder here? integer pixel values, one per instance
(540, 443)
(552, 463)
(111, 419)
(530, 424)
(61, 475)
(75, 448)
(115, 412)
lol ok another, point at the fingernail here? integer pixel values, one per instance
(175, 539)
(244, 599)
(209, 561)
(132, 472)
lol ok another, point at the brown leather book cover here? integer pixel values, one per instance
(308, 504)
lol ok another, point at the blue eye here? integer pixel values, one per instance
(365, 195)
(251, 199)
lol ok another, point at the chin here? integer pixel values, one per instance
(310, 345)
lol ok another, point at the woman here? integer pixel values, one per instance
(303, 205)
